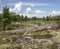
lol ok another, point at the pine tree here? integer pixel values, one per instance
(6, 17)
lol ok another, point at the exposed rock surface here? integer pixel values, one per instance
(40, 37)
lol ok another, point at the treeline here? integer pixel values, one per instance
(26, 18)
(51, 18)
(16, 17)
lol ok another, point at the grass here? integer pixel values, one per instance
(39, 34)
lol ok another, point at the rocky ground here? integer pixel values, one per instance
(39, 37)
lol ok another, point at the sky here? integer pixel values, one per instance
(31, 8)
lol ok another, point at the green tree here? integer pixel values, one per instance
(18, 17)
(34, 18)
(26, 18)
(43, 18)
(47, 18)
(6, 17)
(22, 18)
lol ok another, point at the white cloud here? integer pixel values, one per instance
(28, 10)
(39, 12)
(17, 7)
(0, 11)
(11, 10)
(32, 5)
(36, 4)
(32, 15)
(54, 13)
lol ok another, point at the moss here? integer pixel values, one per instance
(42, 36)
(54, 46)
